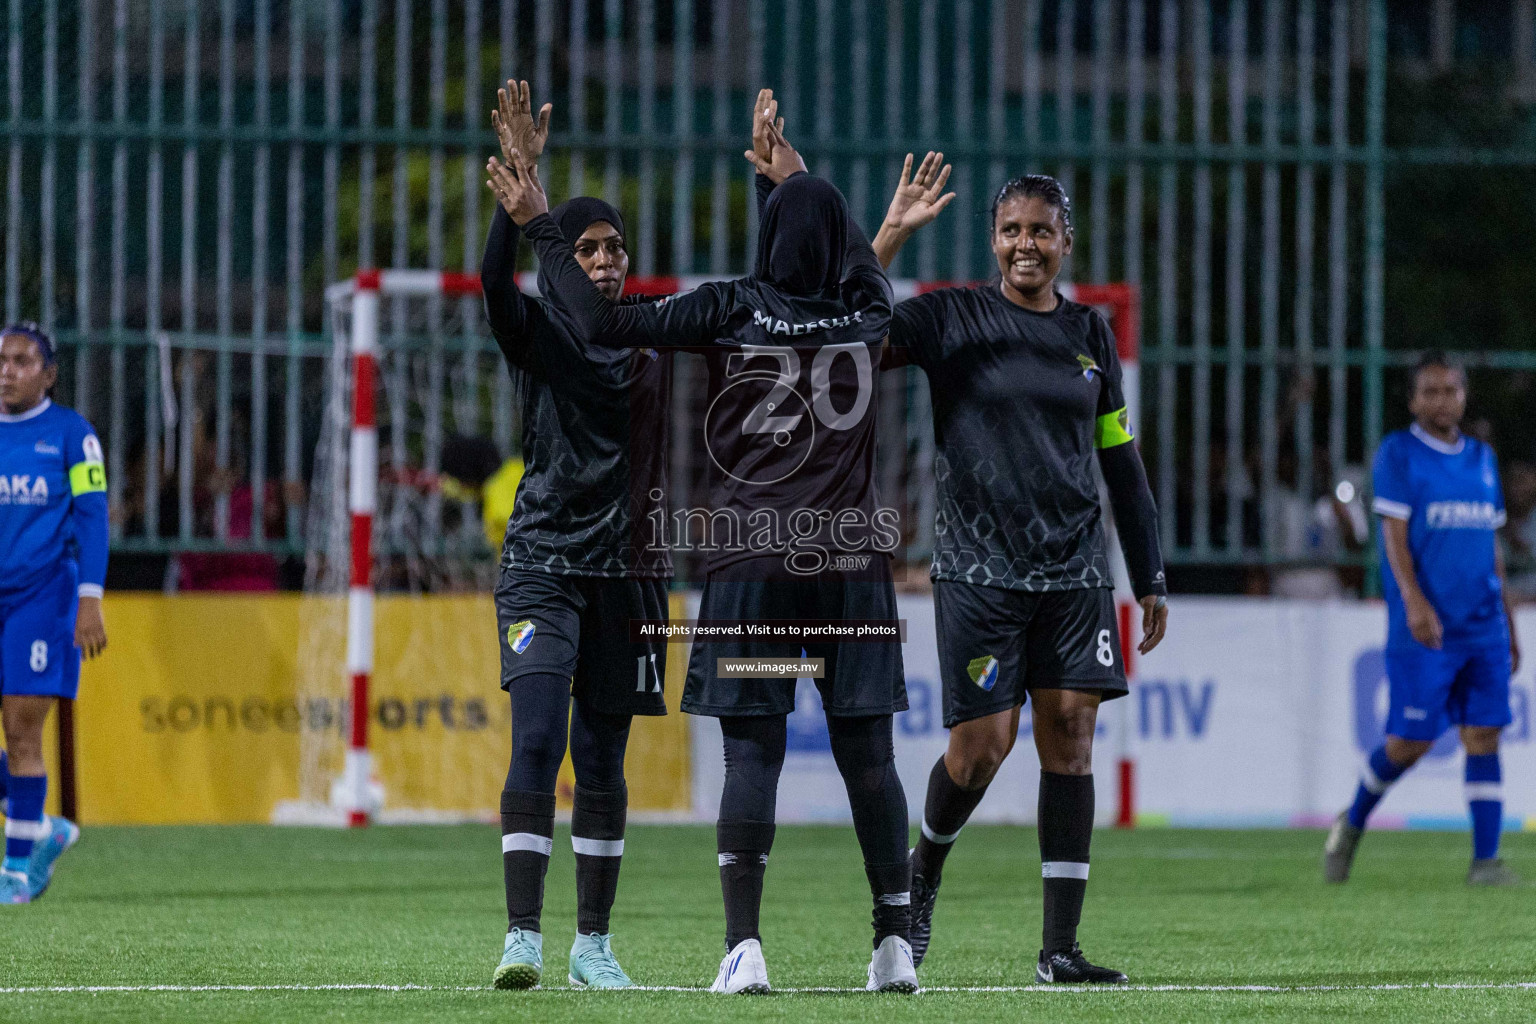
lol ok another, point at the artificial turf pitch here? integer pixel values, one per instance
(1192, 913)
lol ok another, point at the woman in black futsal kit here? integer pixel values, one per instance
(576, 568)
(790, 435)
(1026, 390)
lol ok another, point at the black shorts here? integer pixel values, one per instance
(997, 644)
(859, 678)
(578, 626)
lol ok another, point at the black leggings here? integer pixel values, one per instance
(542, 714)
(865, 756)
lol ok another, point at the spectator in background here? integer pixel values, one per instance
(1519, 536)
(238, 571)
(1312, 535)
(233, 570)
(473, 470)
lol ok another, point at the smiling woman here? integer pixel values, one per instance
(1026, 390)
(1031, 235)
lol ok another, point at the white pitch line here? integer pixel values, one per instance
(933, 989)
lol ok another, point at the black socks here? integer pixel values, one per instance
(743, 848)
(865, 756)
(866, 759)
(597, 837)
(1066, 831)
(946, 809)
(891, 887)
(527, 830)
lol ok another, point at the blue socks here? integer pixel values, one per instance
(1485, 796)
(1484, 788)
(1375, 778)
(24, 824)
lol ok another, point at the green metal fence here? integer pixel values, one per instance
(1232, 158)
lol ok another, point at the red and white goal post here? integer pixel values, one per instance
(357, 794)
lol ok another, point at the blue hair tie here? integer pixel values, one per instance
(29, 329)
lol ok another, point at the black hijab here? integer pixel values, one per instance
(574, 216)
(801, 238)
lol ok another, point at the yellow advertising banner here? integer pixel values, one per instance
(217, 708)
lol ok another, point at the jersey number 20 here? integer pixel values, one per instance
(761, 421)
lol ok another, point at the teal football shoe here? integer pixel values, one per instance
(62, 834)
(522, 960)
(593, 964)
(14, 888)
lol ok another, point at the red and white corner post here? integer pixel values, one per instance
(1127, 330)
(362, 501)
(1124, 303)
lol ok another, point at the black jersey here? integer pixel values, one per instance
(1021, 401)
(789, 435)
(594, 435)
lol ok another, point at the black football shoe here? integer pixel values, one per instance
(923, 897)
(1339, 849)
(1070, 967)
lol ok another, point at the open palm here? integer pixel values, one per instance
(921, 197)
(516, 128)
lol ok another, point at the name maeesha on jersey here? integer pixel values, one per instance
(773, 326)
(776, 326)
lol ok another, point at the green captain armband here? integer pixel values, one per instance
(1113, 428)
(87, 478)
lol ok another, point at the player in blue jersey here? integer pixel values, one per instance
(1451, 645)
(53, 563)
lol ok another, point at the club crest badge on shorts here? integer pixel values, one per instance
(520, 635)
(983, 671)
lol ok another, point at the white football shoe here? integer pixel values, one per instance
(891, 968)
(742, 970)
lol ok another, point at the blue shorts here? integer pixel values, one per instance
(1431, 690)
(38, 656)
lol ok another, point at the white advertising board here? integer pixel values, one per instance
(1251, 713)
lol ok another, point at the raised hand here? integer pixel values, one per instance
(920, 197)
(517, 188)
(771, 152)
(763, 113)
(515, 126)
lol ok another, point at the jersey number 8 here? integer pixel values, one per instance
(1106, 651)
